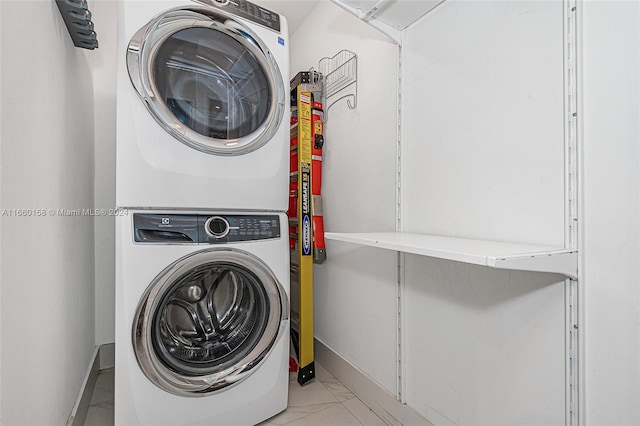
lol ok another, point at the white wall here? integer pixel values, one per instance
(47, 276)
(103, 66)
(610, 212)
(483, 157)
(483, 136)
(467, 374)
(355, 290)
(0, 222)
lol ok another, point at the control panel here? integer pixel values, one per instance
(248, 10)
(203, 229)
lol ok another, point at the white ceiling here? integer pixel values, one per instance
(294, 10)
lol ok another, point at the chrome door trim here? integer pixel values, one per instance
(143, 47)
(194, 386)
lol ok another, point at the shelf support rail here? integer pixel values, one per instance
(400, 291)
(572, 307)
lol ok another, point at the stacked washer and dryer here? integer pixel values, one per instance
(202, 260)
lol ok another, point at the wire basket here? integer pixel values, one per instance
(340, 71)
(339, 76)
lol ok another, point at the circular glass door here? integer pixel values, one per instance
(207, 320)
(207, 80)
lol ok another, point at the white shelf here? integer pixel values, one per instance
(493, 254)
(389, 16)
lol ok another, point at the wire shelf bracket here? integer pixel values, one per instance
(340, 75)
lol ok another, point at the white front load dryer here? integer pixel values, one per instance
(202, 318)
(202, 105)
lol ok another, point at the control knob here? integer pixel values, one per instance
(217, 227)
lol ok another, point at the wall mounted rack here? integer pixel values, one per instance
(77, 18)
(340, 75)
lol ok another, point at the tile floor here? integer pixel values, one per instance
(323, 401)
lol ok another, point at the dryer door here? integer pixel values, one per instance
(208, 320)
(207, 80)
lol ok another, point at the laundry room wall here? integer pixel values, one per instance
(355, 290)
(1, 105)
(483, 345)
(483, 158)
(461, 324)
(610, 211)
(47, 167)
(103, 67)
(494, 102)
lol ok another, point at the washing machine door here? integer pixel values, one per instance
(208, 320)
(208, 80)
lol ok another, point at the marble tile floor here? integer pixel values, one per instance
(321, 402)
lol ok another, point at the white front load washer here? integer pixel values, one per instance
(202, 105)
(202, 318)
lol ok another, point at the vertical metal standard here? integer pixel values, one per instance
(572, 331)
(400, 290)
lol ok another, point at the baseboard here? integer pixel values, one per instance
(80, 408)
(381, 402)
(107, 356)
(103, 357)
